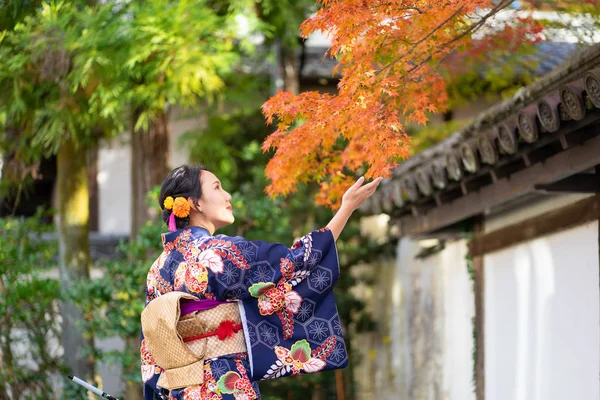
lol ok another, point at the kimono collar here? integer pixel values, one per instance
(189, 233)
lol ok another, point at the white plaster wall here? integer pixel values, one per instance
(423, 346)
(542, 315)
(114, 188)
(114, 176)
(459, 309)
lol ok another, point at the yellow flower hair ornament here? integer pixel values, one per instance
(168, 203)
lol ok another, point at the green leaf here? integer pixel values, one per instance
(226, 383)
(258, 289)
(300, 351)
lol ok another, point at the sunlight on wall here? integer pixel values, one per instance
(375, 227)
(522, 264)
(542, 318)
(458, 305)
(114, 192)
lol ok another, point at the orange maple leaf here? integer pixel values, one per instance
(390, 54)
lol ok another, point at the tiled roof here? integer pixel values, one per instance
(502, 152)
(545, 57)
(549, 55)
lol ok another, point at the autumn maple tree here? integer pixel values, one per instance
(391, 55)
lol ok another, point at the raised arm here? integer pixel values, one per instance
(354, 197)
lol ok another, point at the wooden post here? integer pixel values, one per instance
(479, 288)
(339, 384)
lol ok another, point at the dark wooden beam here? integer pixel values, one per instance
(579, 136)
(578, 183)
(508, 169)
(447, 234)
(559, 166)
(451, 194)
(575, 214)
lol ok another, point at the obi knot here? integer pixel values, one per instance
(227, 328)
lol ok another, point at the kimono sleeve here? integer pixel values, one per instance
(287, 304)
(251, 267)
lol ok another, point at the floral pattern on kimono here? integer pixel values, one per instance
(290, 319)
(280, 299)
(224, 378)
(300, 358)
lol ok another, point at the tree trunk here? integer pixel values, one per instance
(291, 70)
(133, 390)
(149, 167)
(72, 205)
(94, 224)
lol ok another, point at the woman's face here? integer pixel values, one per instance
(215, 203)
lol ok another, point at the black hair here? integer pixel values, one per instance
(183, 181)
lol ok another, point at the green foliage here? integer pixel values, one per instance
(29, 329)
(13, 11)
(281, 19)
(52, 64)
(72, 71)
(113, 303)
(474, 354)
(493, 74)
(177, 52)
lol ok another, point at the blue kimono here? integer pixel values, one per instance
(290, 319)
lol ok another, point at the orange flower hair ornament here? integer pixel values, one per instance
(179, 208)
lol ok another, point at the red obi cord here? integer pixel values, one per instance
(226, 329)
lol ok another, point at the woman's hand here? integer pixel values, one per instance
(356, 195)
(353, 198)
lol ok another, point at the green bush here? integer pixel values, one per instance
(29, 310)
(114, 302)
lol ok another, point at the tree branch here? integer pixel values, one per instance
(397, 60)
(470, 30)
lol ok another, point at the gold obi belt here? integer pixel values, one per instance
(180, 344)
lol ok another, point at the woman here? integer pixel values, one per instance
(223, 312)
